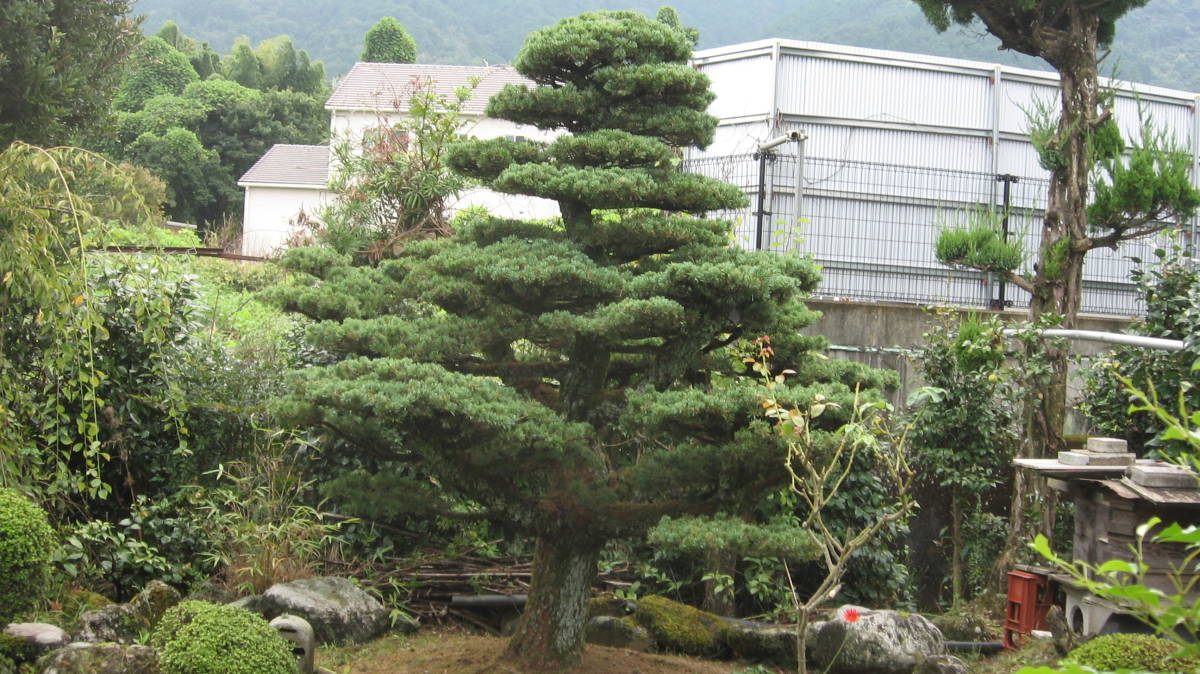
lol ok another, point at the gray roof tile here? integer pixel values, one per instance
(291, 165)
(386, 86)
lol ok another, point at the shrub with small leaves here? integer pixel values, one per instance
(197, 637)
(26, 541)
(1130, 651)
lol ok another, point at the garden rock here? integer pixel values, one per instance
(118, 623)
(154, 600)
(763, 643)
(338, 610)
(680, 628)
(41, 637)
(83, 658)
(877, 642)
(616, 632)
(942, 664)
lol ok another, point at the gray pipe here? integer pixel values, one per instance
(1109, 337)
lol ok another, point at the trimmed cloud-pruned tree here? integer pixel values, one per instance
(388, 42)
(570, 379)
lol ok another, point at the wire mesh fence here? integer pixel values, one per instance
(872, 228)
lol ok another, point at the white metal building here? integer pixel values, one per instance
(896, 145)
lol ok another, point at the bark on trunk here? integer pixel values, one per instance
(550, 636)
(1058, 282)
(717, 600)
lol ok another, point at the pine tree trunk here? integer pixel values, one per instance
(1058, 282)
(715, 601)
(551, 633)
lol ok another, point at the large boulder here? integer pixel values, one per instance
(873, 642)
(117, 623)
(153, 601)
(339, 611)
(38, 638)
(124, 623)
(763, 643)
(82, 658)
(680, 628)
(605, 630)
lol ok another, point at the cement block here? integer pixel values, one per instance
(1107, 445)
(1073, 458)
(1164, 476)
(1086, 458)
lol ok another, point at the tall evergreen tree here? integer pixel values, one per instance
(156, 68)
(1145, 194)
(388, 42)
(60, 61)
(571, 380)
(1133, 196)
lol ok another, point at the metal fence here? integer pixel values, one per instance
(872, 229)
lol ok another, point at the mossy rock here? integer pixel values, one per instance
(681, 628)
(196, 637)
(117, 623)
(608, 604)
(153, 601)
(26, 542)
(766, 643)
(960, 626)
(1111, 652)
(78, 601)
(16, 650)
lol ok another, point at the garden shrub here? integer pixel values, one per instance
(26, 541)
(1130, 651)
(197, 637)
(1171, 289)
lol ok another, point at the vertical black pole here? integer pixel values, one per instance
(1008, 179)
(762, 197)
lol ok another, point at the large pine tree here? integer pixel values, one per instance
(572, 379)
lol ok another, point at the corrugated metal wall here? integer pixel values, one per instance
(898, 145)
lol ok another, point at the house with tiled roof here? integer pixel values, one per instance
(289, 184)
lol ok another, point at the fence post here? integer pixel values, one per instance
(1008, 179)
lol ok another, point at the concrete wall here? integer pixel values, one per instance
(879, 335)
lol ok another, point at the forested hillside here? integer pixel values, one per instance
(1153, 43)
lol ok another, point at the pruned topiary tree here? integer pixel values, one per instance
(569, 379)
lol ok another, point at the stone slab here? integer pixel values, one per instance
(1086, 458)
(1163, 477)
(1107, 445)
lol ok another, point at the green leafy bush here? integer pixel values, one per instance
(197, 637)
(26, 541)
(1170, 286)
(1130, 651)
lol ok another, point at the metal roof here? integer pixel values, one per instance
(386, 86)
(912, 60)
(299, 165)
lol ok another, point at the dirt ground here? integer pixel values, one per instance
(455, 652)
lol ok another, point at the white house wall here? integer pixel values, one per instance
(349, 126)
(271, 214)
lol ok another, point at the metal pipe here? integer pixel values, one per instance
(488, 600)
(796, 208)
(1109, 338)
